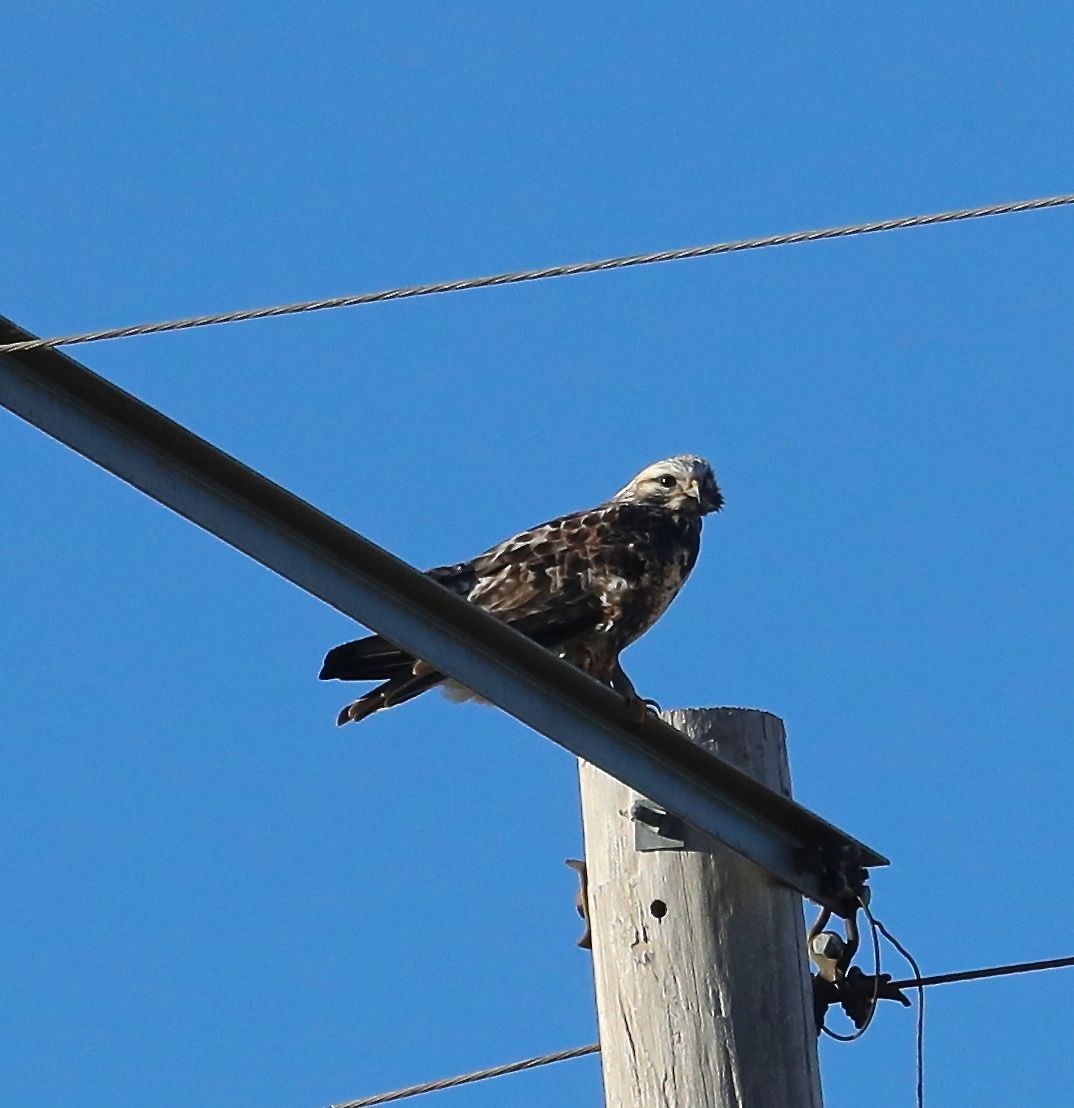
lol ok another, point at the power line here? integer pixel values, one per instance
(520, 276)
(918, 982)
(466, 1078)
(979, 974)
(920, 986)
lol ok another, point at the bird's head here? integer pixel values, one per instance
(684, 483)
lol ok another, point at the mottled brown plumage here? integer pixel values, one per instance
(585, 585)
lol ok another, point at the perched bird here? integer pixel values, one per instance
(584, 585)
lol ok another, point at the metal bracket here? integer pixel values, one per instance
(655, 829)
(843, 878)
(581, 901)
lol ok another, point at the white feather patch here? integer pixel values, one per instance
(460, 694)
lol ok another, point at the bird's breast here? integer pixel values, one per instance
(652, 566)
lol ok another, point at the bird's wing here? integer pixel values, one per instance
(538, 581)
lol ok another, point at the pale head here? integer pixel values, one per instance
(684, 483)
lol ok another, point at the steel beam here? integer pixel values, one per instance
(143, 447)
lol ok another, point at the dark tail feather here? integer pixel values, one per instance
(396, 691)
(376, 659)
(369, 659)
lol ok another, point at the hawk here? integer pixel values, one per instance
(585, 585)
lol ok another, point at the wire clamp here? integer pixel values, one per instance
(838, 982)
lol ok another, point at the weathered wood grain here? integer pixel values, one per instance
(699, 959)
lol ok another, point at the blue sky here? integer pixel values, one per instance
(212, 895)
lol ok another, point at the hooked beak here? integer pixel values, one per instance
(694, 490)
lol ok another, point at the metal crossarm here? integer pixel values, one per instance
(172, 465)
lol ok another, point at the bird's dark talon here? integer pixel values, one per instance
(638, 710)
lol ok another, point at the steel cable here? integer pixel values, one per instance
(519, 276)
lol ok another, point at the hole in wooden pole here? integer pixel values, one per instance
(659, 909)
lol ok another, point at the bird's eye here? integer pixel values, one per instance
(668, 481)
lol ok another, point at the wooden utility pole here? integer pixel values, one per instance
(703, 992)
